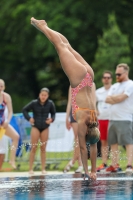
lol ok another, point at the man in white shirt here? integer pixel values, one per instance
(120, 125)
(103, 110)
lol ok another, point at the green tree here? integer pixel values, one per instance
(113, 49)
(124, 17)
(29, 61)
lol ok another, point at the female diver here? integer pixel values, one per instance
(80, 76)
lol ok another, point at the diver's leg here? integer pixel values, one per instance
(71, 66)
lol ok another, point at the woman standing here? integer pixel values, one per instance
(40, 122)
(5, 101)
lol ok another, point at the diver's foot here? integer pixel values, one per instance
(38, 24)
(13, 164)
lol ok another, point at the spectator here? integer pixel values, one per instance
(5, 101)
(71, 123)
(103, 110)
(3, 142)
(120, 125)
(40, 122)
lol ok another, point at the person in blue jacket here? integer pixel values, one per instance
(41, 108)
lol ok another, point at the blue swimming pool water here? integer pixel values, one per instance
(67, 187)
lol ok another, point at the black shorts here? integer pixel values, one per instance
(41, 129)
(72, 120)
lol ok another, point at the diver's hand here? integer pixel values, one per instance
(93, 176)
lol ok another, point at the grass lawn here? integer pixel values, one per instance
(57, 161)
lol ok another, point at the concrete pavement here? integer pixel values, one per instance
(26, 174)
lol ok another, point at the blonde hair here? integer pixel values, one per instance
(124, 65)
(93, 135)
(2, 81)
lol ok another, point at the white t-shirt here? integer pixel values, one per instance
(103, 108)
(122, 111)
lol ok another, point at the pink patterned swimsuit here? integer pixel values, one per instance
(87, 81)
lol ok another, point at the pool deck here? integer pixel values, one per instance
(38, 173)
(26, 174)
